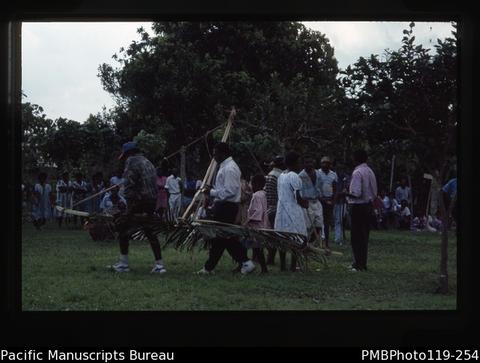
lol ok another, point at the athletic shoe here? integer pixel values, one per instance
(204, 272)
(353, 269)
(247, 267)
(158, 269)
(120, 267)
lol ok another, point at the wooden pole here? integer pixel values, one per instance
(429, 177)
(96, 195)
(183, 169)
(391, 172)
(411, 195)
(199, 197)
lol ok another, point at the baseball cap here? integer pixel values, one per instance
(131, 145)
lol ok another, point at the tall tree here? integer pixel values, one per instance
(408, 103)
(183, 80)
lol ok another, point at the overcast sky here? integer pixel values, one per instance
(60, 60)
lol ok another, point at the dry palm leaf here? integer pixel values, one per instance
(198, 233)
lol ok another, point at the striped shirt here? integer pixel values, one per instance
(271, 190)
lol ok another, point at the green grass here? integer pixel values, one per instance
(65, 270)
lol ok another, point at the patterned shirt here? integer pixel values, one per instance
(271, 190)
(140, 179)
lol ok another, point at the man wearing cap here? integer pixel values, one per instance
(272, 198)
(140, 190)
(328, 179)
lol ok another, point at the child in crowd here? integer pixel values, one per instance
(257, 217)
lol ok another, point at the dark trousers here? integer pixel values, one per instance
(271, 251)
(327, 219)
(361, 217)
(126, 224)
(225, 212)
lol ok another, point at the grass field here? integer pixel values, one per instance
(65, 270)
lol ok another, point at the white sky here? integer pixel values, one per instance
(60, 60)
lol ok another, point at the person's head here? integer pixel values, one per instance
(403, 203)
(278, 162)
(42, 177)
(258, 182)
(360, 156)
(325, 163)
(160, 172)
(221, 151)
(391, 194)
(65, 176)
(174, 171)
(292, 161)
(309, 162)
(403, 182)
(128, 149)
(78, 176)
(383, 193)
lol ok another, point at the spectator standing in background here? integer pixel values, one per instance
(328, 179)
(41, 207)
(362, 192)
(403, 192)
(277, 166)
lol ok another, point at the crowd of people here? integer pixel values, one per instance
(295, 196)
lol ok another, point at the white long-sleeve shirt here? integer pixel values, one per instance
(227, 186)
(172, 184)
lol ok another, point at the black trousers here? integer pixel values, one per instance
(271, 251)
(225, 212)
(327, 219)
(361, 217)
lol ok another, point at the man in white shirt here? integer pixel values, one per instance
(226, 194)
(328, 180)
(403, 192)
(117, 179)
(173, 186)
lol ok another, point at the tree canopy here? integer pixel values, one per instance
(175, 84)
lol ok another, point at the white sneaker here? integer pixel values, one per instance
(120, 267)
(204, 272)
(247, 267)
(158, 269)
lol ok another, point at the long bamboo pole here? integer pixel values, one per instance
(96, 195)
(391, 172)
(198, 197)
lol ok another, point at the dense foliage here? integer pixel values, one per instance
(182, 80)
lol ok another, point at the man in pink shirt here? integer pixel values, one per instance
(362, 191)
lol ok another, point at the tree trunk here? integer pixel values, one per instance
(443, 279)
(446, 213)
